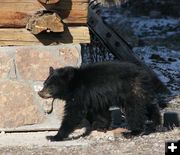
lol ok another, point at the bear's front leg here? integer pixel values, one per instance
(74, 113)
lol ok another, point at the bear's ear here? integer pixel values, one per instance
(51, 70)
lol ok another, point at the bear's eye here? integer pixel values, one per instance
(50, 87)
(46, 84)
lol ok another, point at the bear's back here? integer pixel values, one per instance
(107, 73)
(107, 69)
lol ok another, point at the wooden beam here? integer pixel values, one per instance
(11, 36)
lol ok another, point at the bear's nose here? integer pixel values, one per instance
(44, 94)
(40, 93)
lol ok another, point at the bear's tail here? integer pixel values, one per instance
(161, 92)
(159, 86)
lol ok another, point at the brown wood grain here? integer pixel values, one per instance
(15, 13)
(20, 36)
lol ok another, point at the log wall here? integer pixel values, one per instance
(15, 15)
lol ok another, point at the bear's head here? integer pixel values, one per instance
(57, 83)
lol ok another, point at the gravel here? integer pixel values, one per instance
(95, 143)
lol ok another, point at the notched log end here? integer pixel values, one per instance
(45, 21)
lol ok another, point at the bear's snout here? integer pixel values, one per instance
(40, 93)
(44, 94)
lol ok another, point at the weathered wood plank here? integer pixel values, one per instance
(23, 37)
(15, 13)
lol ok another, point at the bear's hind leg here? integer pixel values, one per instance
(136, 116)
(154, 116)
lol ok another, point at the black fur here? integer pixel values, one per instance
(89, 91)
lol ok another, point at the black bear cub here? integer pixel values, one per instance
(90, 90)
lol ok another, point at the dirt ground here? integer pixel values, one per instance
(35, 143)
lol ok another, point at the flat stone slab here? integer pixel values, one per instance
(5, 64)
(33, 64)
(17, 106)
(22, 72)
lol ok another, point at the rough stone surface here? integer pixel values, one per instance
(17, 106)
(5, 64)
(47, 105)
(58, 108)
(70, 56)
(33, 65)
(22, 73)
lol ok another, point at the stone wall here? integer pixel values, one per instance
(22, 72)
